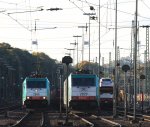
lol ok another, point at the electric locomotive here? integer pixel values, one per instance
(83, 91)
(36, 91)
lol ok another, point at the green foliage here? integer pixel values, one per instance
(92, 67)
(24, 63)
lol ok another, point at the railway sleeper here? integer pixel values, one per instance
(107, 121)
(137, 118)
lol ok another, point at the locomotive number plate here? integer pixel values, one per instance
(83, 94)
(36, 94)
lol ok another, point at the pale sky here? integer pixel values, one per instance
(17, 26)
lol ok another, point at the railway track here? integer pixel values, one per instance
(106, 119)
(96, 121)
(76, 118)
(8, 108)
(6, 115)
(32, 119)
(141, 120)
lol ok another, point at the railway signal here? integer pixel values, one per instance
(67, 60)
(125, 68)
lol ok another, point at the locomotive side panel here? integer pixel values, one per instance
(69, 90)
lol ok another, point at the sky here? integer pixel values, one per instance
(55, 30)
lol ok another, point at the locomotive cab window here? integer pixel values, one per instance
(36, 84)
(83, 81)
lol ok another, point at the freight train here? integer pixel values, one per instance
(36, 91)
(83, 91)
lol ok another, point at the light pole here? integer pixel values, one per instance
(83, 39)
(3, 89)
(60, 68)
(89, 14)
(69, 54)
(116, 78)
(77, 36)
(99, 44)
(73, 51)
(21, 86)
(135, 60)
(70, 51)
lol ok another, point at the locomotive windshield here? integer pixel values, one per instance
(83, 82)
(36, 84)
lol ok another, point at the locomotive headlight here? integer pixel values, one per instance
(44, 98)
(28, 97)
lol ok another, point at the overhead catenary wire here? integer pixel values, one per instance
(60, 22)
(103, 6)
(71, 25)
(114, 9)
(145, 4)
(17, 21)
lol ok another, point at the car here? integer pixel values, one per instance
(106, 82)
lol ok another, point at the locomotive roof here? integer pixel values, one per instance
(37, 76)
(82, 72)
